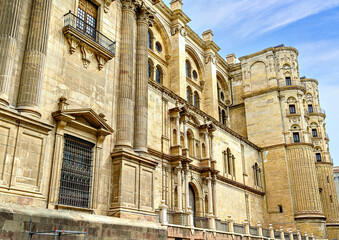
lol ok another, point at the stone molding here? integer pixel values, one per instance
(201, 113)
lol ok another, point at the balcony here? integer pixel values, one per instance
(291, 84)
(318, 111)
(90, 41)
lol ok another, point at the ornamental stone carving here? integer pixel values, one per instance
(178, 29)
(210, 58)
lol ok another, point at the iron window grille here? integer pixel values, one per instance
(76, 172)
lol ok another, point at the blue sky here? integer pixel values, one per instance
(312, 26)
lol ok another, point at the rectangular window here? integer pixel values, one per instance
(76, 172)
(292, 109)
(314, 133)
(310, 108)
(87, 17)
(288, 81)
(280, 208)
(318, 157)
(296, 137)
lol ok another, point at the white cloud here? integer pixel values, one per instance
(250, 17)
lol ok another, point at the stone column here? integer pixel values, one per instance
(10, 20)
(125, 116)
(210, 205)
(212, 146)
(34, 59)
(141, 82)
(179, 189)
(187, 194)
(215, 198)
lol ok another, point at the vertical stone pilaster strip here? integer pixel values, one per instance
(141, 82)
(179, 189)
(10, 19)
(34, 58)
(125, 116)
(215, 198)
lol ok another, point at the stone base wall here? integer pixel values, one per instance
(15, 223)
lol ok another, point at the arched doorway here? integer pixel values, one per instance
(192, 203)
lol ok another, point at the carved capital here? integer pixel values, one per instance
(128, 5)
(178, 29)
(146, 15)
(210, 58)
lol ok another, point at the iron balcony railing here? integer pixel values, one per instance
(70, 20)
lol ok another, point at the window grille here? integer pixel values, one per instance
(76, 172)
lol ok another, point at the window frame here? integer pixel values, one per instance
(293, 108)
(296, 137)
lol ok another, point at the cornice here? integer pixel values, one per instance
(195, 37)
(270, 49)
(309, 80)
(222, 62)
(180, 15)
(201, 113)
(198, 169)
(271, 89)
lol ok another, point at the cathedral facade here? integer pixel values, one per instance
(118, 120)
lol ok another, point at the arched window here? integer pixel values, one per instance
(158, 75)
(196, 99)
(190, 138)
(188, 69)
(223, 116)
(150, 69)
(150, 39)
(189, 95)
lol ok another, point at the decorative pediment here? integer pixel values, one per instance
(85, 119)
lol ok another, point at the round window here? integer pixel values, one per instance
(158, 47)
(195, 74)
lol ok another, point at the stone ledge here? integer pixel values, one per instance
(97, 226)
